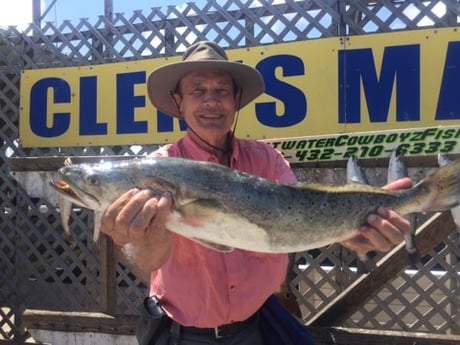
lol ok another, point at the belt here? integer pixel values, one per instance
(222, 331)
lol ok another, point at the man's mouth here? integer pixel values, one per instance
(211, 116)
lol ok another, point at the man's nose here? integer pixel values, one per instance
(212, 97)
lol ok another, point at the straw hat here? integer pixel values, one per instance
(202, 55)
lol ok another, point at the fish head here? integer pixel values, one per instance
(97, 185)
(92, 186)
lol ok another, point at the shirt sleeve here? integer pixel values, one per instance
(283, 171)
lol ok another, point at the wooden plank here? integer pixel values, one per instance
(107, 278)
(427, 161)
(17, 342)
(79, 322)
(55, 162)
(353, 336)
(126, 325)
(431, 233)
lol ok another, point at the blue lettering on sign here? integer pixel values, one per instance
(38, 112)
(448, 101)
(294, 100)
(127, 102)
(400, 66)
(88, 108)
(165, 123)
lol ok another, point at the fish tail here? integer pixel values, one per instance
(441, 189)
(442, 161)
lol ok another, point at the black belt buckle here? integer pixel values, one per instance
(222, 331)
(227, 330)
(233, 328)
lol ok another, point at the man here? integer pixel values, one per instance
(206, 293)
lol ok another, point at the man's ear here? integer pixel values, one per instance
(177, 100)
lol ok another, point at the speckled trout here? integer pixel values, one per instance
(224, 209)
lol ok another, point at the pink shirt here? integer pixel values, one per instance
(201, 287)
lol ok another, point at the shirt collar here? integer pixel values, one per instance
(192, 150)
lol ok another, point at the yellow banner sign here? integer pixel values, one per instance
(427, 141)
(351, 84)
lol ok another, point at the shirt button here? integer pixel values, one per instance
(232, 287)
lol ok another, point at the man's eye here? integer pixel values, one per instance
(197, 92)
(224, 92)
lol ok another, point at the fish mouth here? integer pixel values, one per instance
(63, 188)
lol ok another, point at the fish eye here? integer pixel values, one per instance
(93, 180)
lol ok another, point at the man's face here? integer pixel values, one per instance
(207, 101)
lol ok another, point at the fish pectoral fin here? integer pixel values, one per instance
(97, 226)
(211, 245)
(196, 212)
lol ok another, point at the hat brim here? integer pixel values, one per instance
(163, 81)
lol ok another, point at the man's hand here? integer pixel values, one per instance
(136, 221)
(385, 227)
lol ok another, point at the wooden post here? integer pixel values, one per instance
(108, 14)
(108, 279)
(108, 9)
(36, 14)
